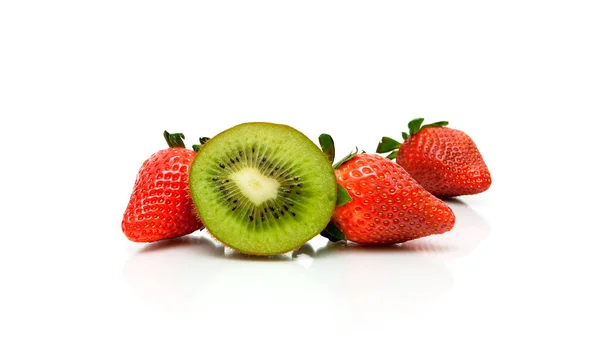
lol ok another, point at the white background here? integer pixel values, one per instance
(87, 87)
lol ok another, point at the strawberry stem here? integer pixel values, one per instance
(174, 140)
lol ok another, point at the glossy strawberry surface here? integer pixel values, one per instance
(387, 206)
(445, 161)
(160, 206)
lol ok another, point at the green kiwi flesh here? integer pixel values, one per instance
(263, 188)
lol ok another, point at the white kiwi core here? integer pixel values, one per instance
(255, 186)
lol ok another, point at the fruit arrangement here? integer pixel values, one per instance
(266, 189)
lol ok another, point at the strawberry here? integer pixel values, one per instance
(379, 203)
(445, 161)
(160, 206)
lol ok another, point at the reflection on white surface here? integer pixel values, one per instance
(468, 232)
(341, 284)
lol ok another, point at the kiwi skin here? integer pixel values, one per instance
(250, 234)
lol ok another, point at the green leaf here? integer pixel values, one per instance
(393, 155)
(327, 146)
(203, 140)
(346, 158)
(387, 144)
(436, 124)
(415, 125)
(174, 140)
(343, 197)
(404, 135)
(333, 233)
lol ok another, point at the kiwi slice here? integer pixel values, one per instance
(263, 188)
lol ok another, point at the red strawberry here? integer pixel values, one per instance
(160, 206)
(445, 161)
(379, 202)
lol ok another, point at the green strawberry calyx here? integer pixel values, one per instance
(332, 232)
(387, 144)
(175, 140)
(203, 140)
(328, 147)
